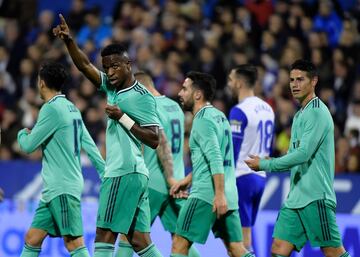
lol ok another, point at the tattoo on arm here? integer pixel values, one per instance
(165, 156)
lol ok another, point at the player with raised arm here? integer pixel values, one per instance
(61, 134)
(252, 126)
(213, 200)
(166, 165)
(309, 210)
(123, 203)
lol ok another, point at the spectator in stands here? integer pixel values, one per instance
(76, 17)
(353, 119)
(94, 30)
(327, 20)
(44, 25)
(234, 31)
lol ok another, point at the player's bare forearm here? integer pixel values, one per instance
(80, 60)
(165, 156)
(219, 183)
(189, 178)
(147, 135)
(220, 203)
(83, 63)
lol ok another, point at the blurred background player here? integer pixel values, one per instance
(61, 134)
(213, 200)
(309, 210)
(252, 126)
(165, 164)
(123, 200)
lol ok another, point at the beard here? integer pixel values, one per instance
(187, 106)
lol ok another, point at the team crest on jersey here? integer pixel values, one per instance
(296, 144)
(236, 126)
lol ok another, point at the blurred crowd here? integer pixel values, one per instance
(170, 38)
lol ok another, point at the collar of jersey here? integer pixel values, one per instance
(55, 97)
(246, 98)
(160, 96)
(126, 89)
(205, 106)
(312, 99)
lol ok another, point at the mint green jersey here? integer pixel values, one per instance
(123, 149)
(172, 121)
(310, 156)
(212, 153)
(61, 134)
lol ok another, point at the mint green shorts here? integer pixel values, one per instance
(196, 219)
(315, 222)
(124, 204)
(59, 217)
(166, 207)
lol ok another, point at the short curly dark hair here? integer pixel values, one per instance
(305, 65)
(111, 49)
(54, 74)
(205, 82)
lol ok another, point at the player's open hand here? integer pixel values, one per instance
(179, 189)
(220, 205)
(253, 162)
(62, 30)
(113, 111)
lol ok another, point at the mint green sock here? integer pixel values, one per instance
(178, 255)
(125, 249)
(103, 249)
(150, 251)
(345, 254)
(30, 251)
(80, 252)
(277, 255)
(193, 252)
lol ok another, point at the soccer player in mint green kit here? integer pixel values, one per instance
(123, 200)
(213, 200)
(61, 134)
(165, 164)
(309, 211)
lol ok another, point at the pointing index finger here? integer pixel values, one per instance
(62, 19)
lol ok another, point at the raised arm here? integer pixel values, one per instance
(80, 60)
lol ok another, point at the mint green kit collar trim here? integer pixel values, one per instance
(128, 88)
(202, 108)
(55, 97)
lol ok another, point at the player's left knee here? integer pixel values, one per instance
(139, 241)
(180, 245)
(72, 243)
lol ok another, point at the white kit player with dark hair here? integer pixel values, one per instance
(252, 125)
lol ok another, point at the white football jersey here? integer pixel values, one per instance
(252, 125)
